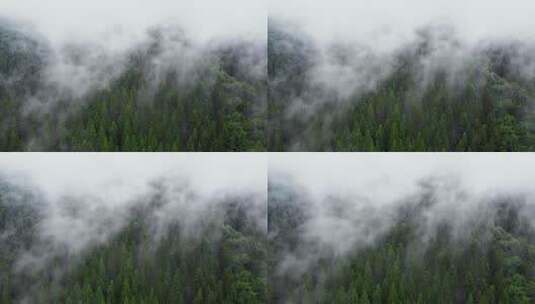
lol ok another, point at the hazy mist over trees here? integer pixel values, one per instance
(430, 95)
(395, 76)
(150, 80)
(214, 104)
(299, 81)
(137, 240)
(270, 76)
(250, 228)
(415, 229)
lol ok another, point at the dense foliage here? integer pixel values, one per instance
(220, 107)
(489, 111)
(490, 261)
(222, 262)
(223, 107)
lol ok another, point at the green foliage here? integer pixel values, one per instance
(484, 262)
(223, 261)
(208, 117)
(488, 111)
(218, 107)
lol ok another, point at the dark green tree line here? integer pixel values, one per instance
(489, 261)
(221, 107)
(490, 110)
(222, 261)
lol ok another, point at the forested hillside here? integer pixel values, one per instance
(414, 107)
(221, 259)
(490, 259)
(215, 102)
(156, 98)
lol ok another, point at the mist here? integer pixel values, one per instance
(341, 19)
(357, 45)
(65, 21)
(84, 200)
(86, 46)
(324, 208)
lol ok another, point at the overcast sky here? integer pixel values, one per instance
(372, 19)
(391, 176)
(122, 176)
(385, 175)
(81, 19)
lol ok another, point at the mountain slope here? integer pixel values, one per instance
(160, 99)
(417, 105)
(220, 259)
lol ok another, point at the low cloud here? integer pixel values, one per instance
(83, 200)
(333, 206)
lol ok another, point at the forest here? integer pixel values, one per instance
(227, 100)
(220, 106)
(489, 260)
(490, 109)
(219, 260)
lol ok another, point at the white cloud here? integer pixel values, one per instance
(72, 20)
(365, 19)
(124, 176)
(389, 176)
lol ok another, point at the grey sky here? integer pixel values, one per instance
(368, 20)
(118, 177)
(389, 176)
(321, 173)
(78, 19)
